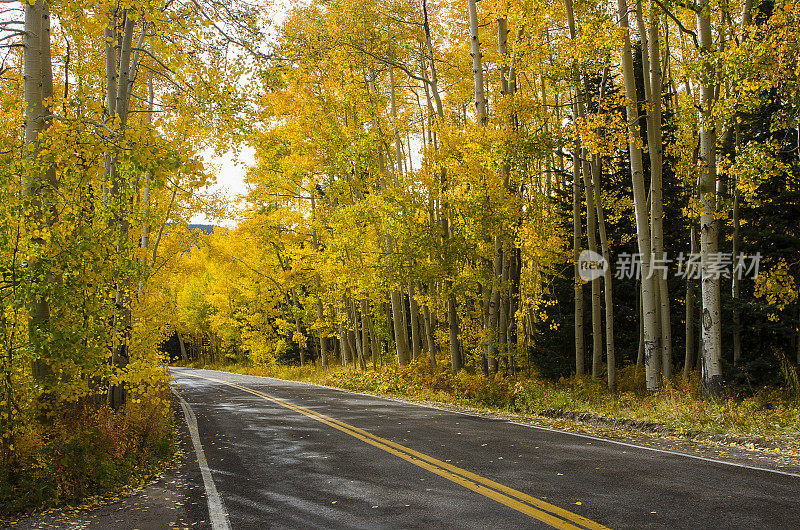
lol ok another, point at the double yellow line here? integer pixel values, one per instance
(521, 502)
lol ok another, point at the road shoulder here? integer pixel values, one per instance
(174, 498)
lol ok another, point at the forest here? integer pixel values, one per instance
(515, 191)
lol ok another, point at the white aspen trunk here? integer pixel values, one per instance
(145, 239)
(611, 360)
(365, 336)
(38, 83)
(323, 342)
(502, 49)
(376, 345)
(640, 316)
(548, 168)
(655, 144)
(577, 111)
(711, 368)
(366, 332)
(398, 320)
(434, 78)
(736, 284)
(397, 144)
(591, 231)
(120, 354)
(643, 41)
(456, 361)
(354, 333)
(494, 307)
(576, 252)
(429, 336)
(182, 345)
(689, 359)
(405, 319)
(651, 333)
(297, 328)
(415, 327)
(111, 89)
(344, 346)
(608, 293)
(452, 314)
(477, 67)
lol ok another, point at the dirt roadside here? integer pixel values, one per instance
(174, 499)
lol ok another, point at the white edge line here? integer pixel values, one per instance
(521, 424)
(216, 510)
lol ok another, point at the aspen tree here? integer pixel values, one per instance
(651, 333)
(597, 172)
(39, 182)
(655, 145)
(580, 361)
(711, 324)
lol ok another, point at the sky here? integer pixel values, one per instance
(230, 171)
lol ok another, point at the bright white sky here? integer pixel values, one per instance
(230, 173)
(230, 169)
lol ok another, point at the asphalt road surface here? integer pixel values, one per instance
(279, 454)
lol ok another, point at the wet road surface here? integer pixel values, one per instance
(290, 455)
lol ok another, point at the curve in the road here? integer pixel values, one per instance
(517, 500)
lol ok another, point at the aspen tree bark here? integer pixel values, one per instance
(362, 336)
(144, 242)
(477, 67)
(398, 320)
(597, 172)
(344, 343)
(38, 87)
(510, 278)
(640, 318)
(655, 144)
(736, 284)
(651, 332)
(297, 328)
(368, 338)
(456, 360)
(111, 89)
(415, 327)
(354, 333)
(181, 344)
(689, 359)
(502, 335)
(427, 315)
(711, 368)
(429, 337)
(494, 296)
(576, 252)
(591, 231)
(323, 343)
(548, 168)
(494, 307)
(611, 360)
(121, 204)
(396, 296)
(452, 314)
(580, 361)
(393, 106)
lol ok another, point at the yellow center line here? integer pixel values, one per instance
(517, 500)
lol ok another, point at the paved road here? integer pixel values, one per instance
(289, 455)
